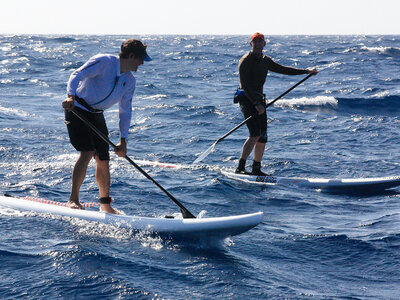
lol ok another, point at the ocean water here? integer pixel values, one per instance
(344, 122)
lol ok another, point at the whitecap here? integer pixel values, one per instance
(152, 97)
(13, 112)
(390, 51)
(304, 101)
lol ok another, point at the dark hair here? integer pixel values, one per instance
(132, 46)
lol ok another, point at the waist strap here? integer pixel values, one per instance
(87, 106)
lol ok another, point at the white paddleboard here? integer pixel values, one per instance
(218, 227)
(378, 183)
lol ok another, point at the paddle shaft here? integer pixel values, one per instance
(233, 129)
(185, 212)
(269, 104)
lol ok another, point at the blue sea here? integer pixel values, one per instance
(342, 123)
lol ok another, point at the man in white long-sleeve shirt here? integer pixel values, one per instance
(101, 82)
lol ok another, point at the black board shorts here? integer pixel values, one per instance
(82, 137)
(258, 124)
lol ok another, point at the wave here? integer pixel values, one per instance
(6, 254)
(152, 97)
(13, 112)
(320, 101)
(389, 51)
(63, 40)
(386, 105)
(325, 104)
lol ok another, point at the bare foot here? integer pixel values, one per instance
(74, 205)
(108, 209)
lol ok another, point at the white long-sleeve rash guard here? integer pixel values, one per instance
(100, 83)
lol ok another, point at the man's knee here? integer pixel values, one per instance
(262, 140)
(263, 137)
(254, 138)
(86, 155)
(101, 160)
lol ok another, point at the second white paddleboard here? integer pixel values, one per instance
(380, 183)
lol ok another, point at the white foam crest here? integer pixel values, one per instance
(141, 120)
(88, 228)
(380, 94)
(6, 48)
(6, 81)
(41, 49)
(14, 61)
(157, 106)
(158, 164)
(14, 112)
(391, 51)
(304, 101)
(39, 82)
(9, 212)
(331, 65)
(152, 97)
(29, 163)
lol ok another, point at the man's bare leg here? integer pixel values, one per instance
(78, 175)
(259, 151)
(103, 182)
(248, 146)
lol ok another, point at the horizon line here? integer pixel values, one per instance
(208, 34)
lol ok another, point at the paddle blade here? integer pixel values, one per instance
(204, 154)
(187, 214)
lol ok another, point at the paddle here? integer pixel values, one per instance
(185, 213)
(211, 148)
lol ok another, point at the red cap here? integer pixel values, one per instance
(257, 35)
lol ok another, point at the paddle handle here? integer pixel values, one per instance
(185, 212)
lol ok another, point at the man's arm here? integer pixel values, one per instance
(125, 115)
(91, 68)
(281, 69)
(68, 104)
(121, 148)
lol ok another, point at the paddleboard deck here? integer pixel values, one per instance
(216, 227)
(378, 183)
